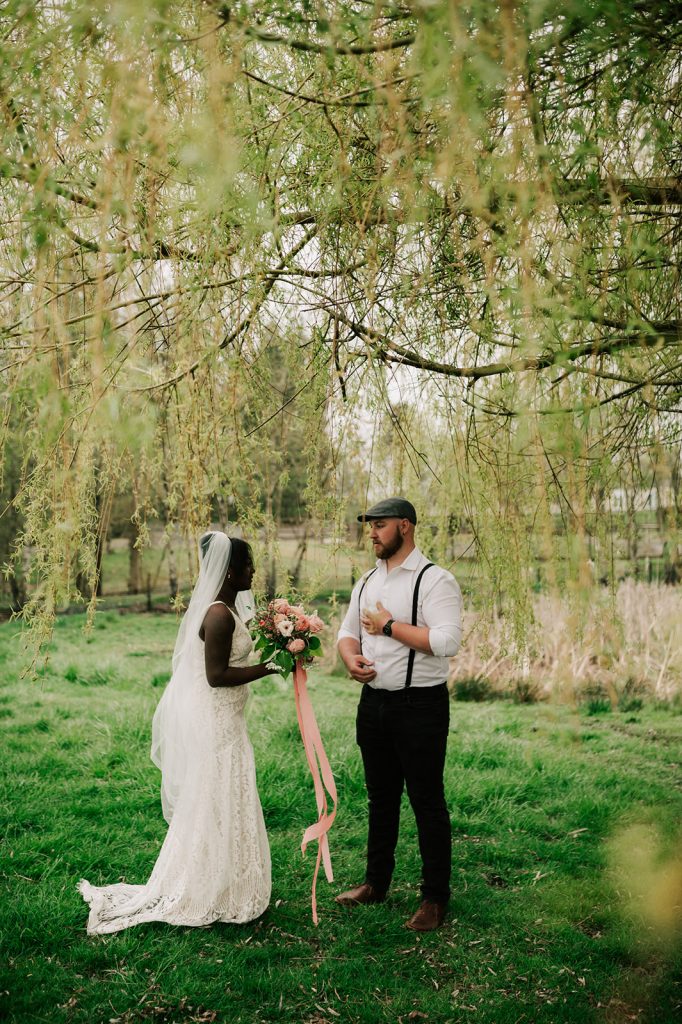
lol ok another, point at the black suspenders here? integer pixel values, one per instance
(364, 584)
(415, 599)
(415, 602)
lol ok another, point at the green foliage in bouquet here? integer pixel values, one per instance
(286, 634)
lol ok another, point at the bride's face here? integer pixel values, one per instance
(241, 579)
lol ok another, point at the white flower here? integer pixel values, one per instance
(285, 628)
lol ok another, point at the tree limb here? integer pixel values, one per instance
(666, 335)
(340, 49)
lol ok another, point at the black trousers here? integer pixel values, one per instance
(402, 736)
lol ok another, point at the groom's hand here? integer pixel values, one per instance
(360, 668)
(374, 621)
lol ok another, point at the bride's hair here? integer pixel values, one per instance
(240, 554)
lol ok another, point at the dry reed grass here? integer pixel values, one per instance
(617, 647)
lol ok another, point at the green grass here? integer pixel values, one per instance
(566, 832)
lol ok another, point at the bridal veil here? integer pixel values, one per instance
(174, 728)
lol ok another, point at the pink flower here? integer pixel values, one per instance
(315, 624)
(296, 646)
(297, 609)
(279, 617)
(280, 604)
(302, 623)
(285, 628)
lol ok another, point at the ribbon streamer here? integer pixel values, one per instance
(322, 778)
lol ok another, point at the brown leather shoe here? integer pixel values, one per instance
(364, 893)
(429, 917)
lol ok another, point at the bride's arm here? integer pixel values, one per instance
(218, 630)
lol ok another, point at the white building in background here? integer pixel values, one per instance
(620, 500)
(642, 500)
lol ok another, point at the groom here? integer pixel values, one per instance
(402, 625)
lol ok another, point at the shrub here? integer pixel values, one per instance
(100, 677)
(475, 688)
(630, 704)
(598, 706)
(525, 691)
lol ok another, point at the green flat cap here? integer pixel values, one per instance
(390, 508)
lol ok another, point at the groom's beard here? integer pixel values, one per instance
(386, 551)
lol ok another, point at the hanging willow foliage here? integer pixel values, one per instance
(433, 245)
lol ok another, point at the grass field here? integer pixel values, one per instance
(567, 863)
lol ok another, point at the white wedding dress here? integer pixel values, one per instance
(214, 864)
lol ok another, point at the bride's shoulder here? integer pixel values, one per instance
(218, 619)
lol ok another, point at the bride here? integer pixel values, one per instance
(214, 864)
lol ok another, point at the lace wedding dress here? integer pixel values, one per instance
(214, 864)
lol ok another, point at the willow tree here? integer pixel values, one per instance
(457, 223)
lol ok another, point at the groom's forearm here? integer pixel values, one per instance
(416, 637)
(347, 647)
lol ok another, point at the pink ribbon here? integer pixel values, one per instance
(322, 778)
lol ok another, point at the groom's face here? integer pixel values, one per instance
(387, 536)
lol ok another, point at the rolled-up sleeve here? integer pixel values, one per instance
(442, 613)
(351, 623)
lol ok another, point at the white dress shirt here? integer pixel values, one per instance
(439, 607)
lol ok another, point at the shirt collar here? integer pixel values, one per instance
(411, 562)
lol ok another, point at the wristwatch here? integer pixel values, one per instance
(387, 628)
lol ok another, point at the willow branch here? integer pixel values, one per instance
(340, 49)
(666, 335)
(270, 279)
(332, 101)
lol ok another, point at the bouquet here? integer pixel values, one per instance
(285, 633)
(287, 639)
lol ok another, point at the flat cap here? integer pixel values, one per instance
(390, 508)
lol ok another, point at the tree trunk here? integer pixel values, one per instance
(300, 555)
(172, 570)
(17, 584)
(134, 564)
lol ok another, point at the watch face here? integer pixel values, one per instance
(387, 628)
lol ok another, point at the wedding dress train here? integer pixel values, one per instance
(214, 864)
